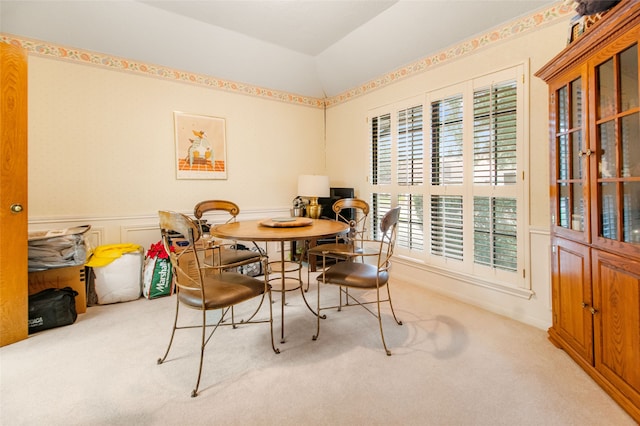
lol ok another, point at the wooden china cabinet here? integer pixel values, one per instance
(594, 109)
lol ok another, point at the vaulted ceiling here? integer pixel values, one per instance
(316, 48)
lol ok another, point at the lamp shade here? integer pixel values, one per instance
(313, 186)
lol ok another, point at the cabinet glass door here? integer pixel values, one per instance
(570, 153)
(618, 141)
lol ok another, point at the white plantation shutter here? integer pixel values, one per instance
(410, 173)
(447, 169)
(447, 141)
(495, 232)
(495, 134)
(381, 150)
(495, 149)
(397, 170)
(411, 224)
(447, 238)
(410, 146)
(381, 168)
(380, 204)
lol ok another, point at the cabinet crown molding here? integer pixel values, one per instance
(617, 21)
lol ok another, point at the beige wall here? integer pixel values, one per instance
(101, 143)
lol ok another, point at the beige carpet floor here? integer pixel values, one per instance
(452, 364)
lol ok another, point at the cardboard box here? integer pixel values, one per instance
(188, 262)
(70, 276)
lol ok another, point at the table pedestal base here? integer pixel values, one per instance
(282, 267)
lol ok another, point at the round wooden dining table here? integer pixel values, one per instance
(282, 230)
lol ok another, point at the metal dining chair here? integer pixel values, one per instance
(229, 252)
(218, 289)
(365, 276)
(344, 247)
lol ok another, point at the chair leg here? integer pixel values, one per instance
(265, 268)
(244, 321)
(233, 319)
(315, 336)
(173, 332)
(194, 392)
(318, 316)
(391, 305)
(380, 324)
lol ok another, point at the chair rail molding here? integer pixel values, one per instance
(137, 229)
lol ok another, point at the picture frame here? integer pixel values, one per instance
(576, 29)
(201, 146)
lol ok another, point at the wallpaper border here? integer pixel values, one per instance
(467, 47)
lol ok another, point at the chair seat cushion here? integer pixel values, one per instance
(222, 290)
(354, 274)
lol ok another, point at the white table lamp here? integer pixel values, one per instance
(312, 187)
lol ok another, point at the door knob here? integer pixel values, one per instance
(16, 208)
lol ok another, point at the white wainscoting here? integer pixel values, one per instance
(142, 230)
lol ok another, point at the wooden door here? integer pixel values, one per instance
(615, 141)
(569, 172)
(571, 286)
(13, 195)
(616, 301)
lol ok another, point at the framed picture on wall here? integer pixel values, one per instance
(576, 28)
(201, 146)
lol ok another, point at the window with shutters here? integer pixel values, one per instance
(468, 215)
(495, 148)
(447, 176)
(397, 170)
(410, 174)
(381, 150)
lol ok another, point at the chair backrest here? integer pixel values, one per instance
(388, 232)
(184, 260)
(217, 205)
(357, 224)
